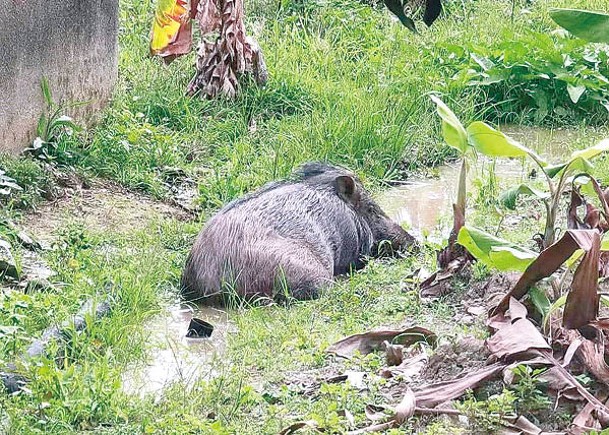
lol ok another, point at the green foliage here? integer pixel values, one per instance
(588, 25)
(492, 143)
(495, 252)
(452, 129)
(539, 77)
(510, 196)
(486, 416)
(53, 124)
(531, 396)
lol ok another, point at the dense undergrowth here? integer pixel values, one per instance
(347, 84)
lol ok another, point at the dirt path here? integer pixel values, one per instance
(103, 207)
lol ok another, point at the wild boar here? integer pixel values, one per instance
(293, 235)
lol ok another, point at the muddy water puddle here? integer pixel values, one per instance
(424, 205)
(174, 358)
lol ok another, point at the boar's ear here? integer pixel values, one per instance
(347, 188)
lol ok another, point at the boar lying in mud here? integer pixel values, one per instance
(291, 235)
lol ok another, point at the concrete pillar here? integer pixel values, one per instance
(73, 43)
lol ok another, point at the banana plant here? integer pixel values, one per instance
(558, 178)
(588, 25)
(477, 138)
(505, 256)
(225, 53)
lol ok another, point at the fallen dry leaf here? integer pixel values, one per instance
(592, 357)
(438, 283)
(402, 412)
(519, 337)
(435, 394)
(295, 427)
(525, 340)
(373, 340)
(408, 368)
(522, 426)
(549, 260)
(584, 422)
(377, 412)
(406, 407)
(394, 354)
(516, 337)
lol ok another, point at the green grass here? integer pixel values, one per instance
(347, 84)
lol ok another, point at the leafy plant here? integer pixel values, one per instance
(529, 391)
(539, 77)
(486, 416)
(558, 178)
(588, 25)
(479, 137)
(51, 125)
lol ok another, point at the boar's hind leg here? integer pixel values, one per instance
(304, 279)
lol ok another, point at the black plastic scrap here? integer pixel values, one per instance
(14, 381)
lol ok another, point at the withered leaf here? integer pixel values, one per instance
(171, 34)
(584, 421)
(432, 395)
(402, 412)
(406, 407)
(522, 426)
(377, 412)
(373, 340)
(394, 354)
(582, 301)
(549, 261)
(408, 368)
(517, 337)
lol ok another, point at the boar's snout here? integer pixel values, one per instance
(392, 240)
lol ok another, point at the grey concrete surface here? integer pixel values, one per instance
(73, 43)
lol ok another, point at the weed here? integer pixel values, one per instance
(539, 78)
(52, 126)
(528, 389)
(486, 416)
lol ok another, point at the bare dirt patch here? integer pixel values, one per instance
(103, 207)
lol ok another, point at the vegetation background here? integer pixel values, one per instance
(347, 84)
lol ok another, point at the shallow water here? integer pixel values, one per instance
(174, 358)
(424, 205)
(418, 204)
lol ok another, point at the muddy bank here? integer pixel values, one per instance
(103, 207)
